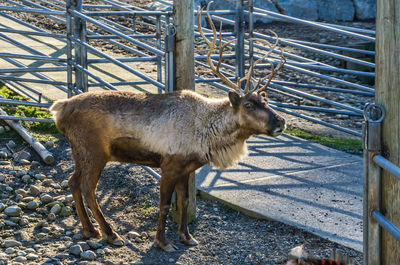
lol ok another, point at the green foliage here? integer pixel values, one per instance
(349, 144)
(27, 111)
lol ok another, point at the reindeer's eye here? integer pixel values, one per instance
(249, 106)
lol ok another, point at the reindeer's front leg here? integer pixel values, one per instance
(166, 188)
(182, 190)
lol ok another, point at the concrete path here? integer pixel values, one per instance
(296, 182)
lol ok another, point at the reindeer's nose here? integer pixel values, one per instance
(281, 126)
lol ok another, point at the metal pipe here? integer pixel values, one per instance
(16, 118)
(122, 83)
(30, 80)
(31, 10)
(319, 51)
(28, 33)
(323, 68)
(333, 89)
(33, 69)
(111, 59)
(152, 172)
(98, 37)
(385, 223)
(4, 101)
(387, 165)
(327, 46)
(123, 36)
(310, 23)
(33, 57)
(132, 59)
(126, 13)
(327, 124)
(310, 108)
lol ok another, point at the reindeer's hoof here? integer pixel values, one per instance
(115, 240)
(91, 233)
(191, 242)
(188, 239)
(167, 247)
(170, 248)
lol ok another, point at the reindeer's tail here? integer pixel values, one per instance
(57, 108)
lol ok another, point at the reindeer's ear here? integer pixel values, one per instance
(263, 94)
(234, 99)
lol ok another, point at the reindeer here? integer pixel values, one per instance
(178, 132)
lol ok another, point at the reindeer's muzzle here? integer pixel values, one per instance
(279, 126)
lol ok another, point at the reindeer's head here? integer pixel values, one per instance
(247, 96)
(255, 116)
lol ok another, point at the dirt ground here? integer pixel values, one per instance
(128, 195)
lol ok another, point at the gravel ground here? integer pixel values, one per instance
(46, 229)
(41, 232)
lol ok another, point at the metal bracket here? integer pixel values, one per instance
(170, 38)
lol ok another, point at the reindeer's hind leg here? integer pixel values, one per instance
(90, 181)
(74, 185)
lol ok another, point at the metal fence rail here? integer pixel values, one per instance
(374, 220)
(118, 24)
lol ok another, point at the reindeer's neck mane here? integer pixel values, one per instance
(223, 137)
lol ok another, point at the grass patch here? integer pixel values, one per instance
(28, 111)
(349, 144)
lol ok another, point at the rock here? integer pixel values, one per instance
(10, 223)
(32, 205)
(11, 243)
(55, 209)
(100, 252)
(94, 244)
(75, 250)
(22, 155)
(304, 9)
(13, 211)
(21, 192)
(35, 164)
(2, 178)
(2, 130)
(144, 235)
(26, 178)
(9, 250)
(3, 155)
(40, 176)
(27, 199)
(133, 235)
(2, 206)
(66, 211)
(15, 219)
(23, 222)
(64, 184)
(24, 162)
(107, 250)
(365, 9)
(49, 144)
(88, 255)
(4, 163)
(21, 253)
(336, 10)
(34, 190)
(77, 237)
(51, 217)
(171, 260)
(7, 128)
(20, 259)
(31, 256)
(85, 246)
(45, 198)
(11, 144)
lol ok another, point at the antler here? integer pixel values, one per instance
(249, 76)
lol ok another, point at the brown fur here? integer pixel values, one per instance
(178, 132)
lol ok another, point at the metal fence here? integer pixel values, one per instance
(118, 25)
(374, 162)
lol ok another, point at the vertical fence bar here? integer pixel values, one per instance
(79, 30)
(251, 29)
(373, 115)
(239, 30)
(69, 50)
(159, 58)
(170, 58)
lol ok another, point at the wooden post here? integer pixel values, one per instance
(388, 94)
(184, 65)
